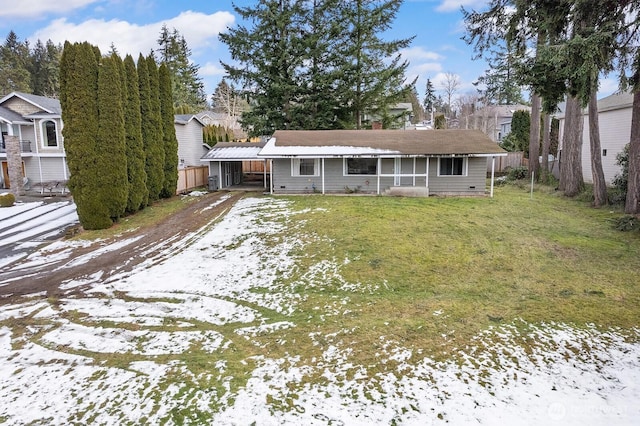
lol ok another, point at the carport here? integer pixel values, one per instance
(236, 164)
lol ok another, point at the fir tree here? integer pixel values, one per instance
(152, 129)
(187, 86)
(170, 142)
(45, 69)
(14, 66)
(136, 174)
(111, 162)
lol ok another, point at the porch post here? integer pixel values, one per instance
(414, 171)
(426, 178)
(379, 171)
(264, 172)
(271, 174)
(322, 175)
(493, 169)
(219, 174)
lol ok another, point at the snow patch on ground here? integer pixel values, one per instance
(152, 345)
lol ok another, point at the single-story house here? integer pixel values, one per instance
(37, 122)
(403, 162)
(614, 118)
(191, 146)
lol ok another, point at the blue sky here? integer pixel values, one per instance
(133, 27)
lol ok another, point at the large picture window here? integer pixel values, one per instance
(454, 166)
(360, 166)
(304, 167)
(49, 134)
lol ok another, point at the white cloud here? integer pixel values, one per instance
(418, 53)
(200, 31)
(38, 8)
(212, 69)
(454, 5)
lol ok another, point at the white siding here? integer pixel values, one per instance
(190, 148)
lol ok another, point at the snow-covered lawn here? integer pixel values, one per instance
(171, 343)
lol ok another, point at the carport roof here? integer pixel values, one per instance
(234, 151)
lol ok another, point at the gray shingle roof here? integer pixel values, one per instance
(47, 104)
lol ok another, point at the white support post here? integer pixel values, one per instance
(322, 176)
(271, 173)
(219, 174)
(379, 170)
(493, 172)
(426, 173)
(264, 173)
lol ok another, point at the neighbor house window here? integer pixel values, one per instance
(454, 166)
(305, 167)
(50, 136)
(360, 166)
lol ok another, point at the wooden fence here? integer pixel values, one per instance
(192, 177)
(512, 160)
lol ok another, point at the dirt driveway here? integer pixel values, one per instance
(20, 279)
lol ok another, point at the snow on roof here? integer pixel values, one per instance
(234, 151)
(332, 143)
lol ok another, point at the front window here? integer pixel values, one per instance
(454, 166)
(361, 166)
(50, 134)
(304, 167)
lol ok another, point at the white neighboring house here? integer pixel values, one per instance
(191, 146)
(494, 120)
(614, 117)
(37, 122)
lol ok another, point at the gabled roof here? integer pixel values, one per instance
(9, 116)
(234, 151)
(186, 118)
(47, 105)
(616, 101)
(338, 143)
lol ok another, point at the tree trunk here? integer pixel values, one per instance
(546, 141)
(599, 184)
(571, 181)
(632, 204)
(534, 137)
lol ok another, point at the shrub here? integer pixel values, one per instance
(517, 173)
(7, 200)
(626, 223)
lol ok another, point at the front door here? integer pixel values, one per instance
(5, 175)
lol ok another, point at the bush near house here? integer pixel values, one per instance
(7, 199)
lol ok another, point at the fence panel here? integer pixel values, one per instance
(512, 160)
(192, 177)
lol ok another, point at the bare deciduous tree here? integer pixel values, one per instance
(449, 87)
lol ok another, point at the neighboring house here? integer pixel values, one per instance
(445, 162)
(493, 120)
(191, 146)
(614, 118)
(400, 116)
(37, 122)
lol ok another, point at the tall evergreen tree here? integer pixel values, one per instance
(500, 81)
(269, 57)
(151, 125)
(187, 86)
(14, 65)
(45, 68)
(111, 161)
(429, 99)
(371, 82)
(170, 142)
(80, 113)
(137, 176)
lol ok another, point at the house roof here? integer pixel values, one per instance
(616, 101)
(338, 143)
(9, 116)
(234, 151)
(184, 119)
(503, 111)
(47, 105)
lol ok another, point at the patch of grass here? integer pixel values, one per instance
(476, 260)
(150, 216)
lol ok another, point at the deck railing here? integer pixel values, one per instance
(25, 146)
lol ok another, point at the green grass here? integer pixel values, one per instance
(151, 215)
(478, 261)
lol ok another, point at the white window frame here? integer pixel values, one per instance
(345, 168)
(43, 134)
(465, 166)
(295, 167)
